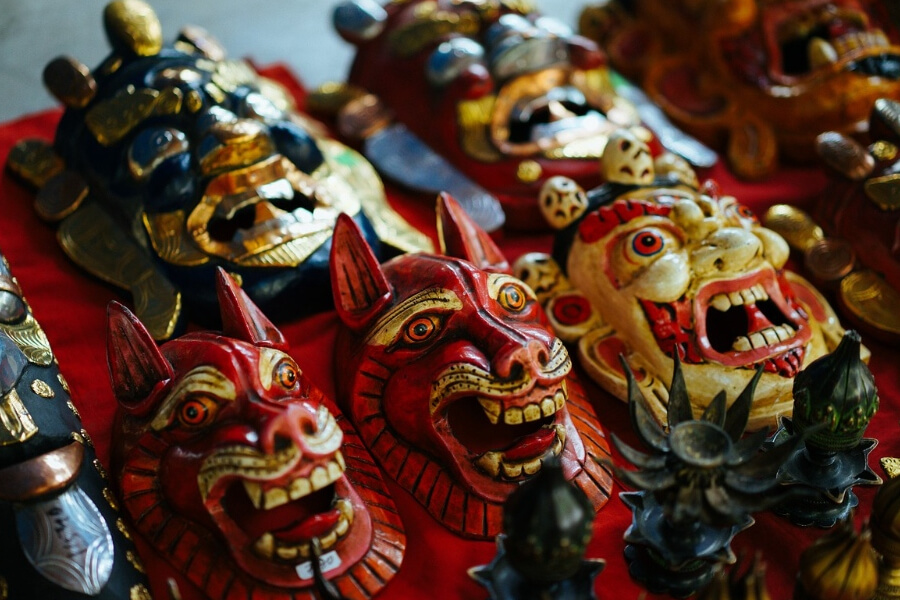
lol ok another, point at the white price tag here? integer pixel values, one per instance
(328, 562)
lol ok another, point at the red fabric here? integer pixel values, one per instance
(71, 307)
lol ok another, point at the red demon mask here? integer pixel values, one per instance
(458, 386)
(232, 465)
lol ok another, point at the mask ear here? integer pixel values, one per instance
(460, 237)
(241, 319)
(137, 369)
(358, 284)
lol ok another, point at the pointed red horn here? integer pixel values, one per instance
(358, 284)
(137, 368)
(242, 319)
(460, 237)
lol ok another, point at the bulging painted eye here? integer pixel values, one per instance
(512, 297)
(420, 329)
(287, 375)
(647, 242)
(153, 146)
(197, 410)
(451, 58)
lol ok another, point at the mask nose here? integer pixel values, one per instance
(228, 142)
(517, 358)
(312, 430)
(726, 250)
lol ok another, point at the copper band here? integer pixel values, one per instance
(44, 474)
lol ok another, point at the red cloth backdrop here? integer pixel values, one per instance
(71, 307)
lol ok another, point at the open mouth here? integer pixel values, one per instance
(745, 321)
(509, 439)
(562, 115)
(812, 40)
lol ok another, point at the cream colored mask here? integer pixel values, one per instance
(651, 270)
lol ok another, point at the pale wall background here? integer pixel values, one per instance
(296, 32)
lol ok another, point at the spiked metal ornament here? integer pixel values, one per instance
(698, 486)
(548, 524)
(837, 394)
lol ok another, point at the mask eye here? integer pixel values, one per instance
(420, 329)
(512, 297)
(451, 58)
(197, 410)
(647, 242)
(151, 147)
(287, 375)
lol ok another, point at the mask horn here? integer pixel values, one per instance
(360, 288)
(242, 319)
(137, 368)
(460, 237)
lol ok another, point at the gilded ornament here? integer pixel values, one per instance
(884, 150)
(70, 81)
(884, 191)
(123, 528)
(132, 27)
(62, 381)
(31, 339)
(528, 171)
(73, 409)
(16, 423)
(869, 298)
(110, 498)
(135, 561)
(100, 469)
(829, 260)
(891, 466)
(140, 592)
(841, 565)
(35, 161)
(42, 389)
(794, 225)
(60, 196)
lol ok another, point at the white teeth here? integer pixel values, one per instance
(276, 497)
(319, 478)
(491, 409)
(287, 552)
(265, 545)
(722, 302)
(532, 412)
(548, 407)
(820, 53)
(760, 339)
(759, 292)
(748, 296)
(254, 491)
(328, 540)
(512, 416)
(299, 487)
(736, 298)
(495, 465)
(268, 547)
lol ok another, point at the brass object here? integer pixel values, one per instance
(61, 195)
(44, 474)
(794, 225)
(891, 466)
(42, 389)
(92, 240)
(840, 565)
(528, 171)
(16, 424)
(135, 561)
(132, 26)
(845, 155)
(123, 528)
(100, 469)
(73, 409)
(112, 119)
(474, 117)
(31, 340)
(63, 382)
(35, 161)
(429, 27)
(70, 81)
(884, 150)
(166, 233)
(88, 440)
(870, 299)
(884, 191)
(829, 260)
(140, 592)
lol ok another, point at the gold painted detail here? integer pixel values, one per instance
(16, 424)
(474, 117)
(110, 498)
(132, 25)
(882, 150)
(584, 149)
(194, 101)
(88, 440)
(31, 340)
(794, 225)
(101, 470)
(91, 239)
(112, 119)
(884, 191)
(61, 196)
(528, 171)
(463, 377)
(330, 97)
(349, 173)
(62, 381)
(428, 27)
(35, 161)
(123, 528)
(77, 437)
(890, 465)
(135, 561)
(871, 300)
(42, 389)
(167, 233)
(73, 409)
(229, 75)
(140, 592)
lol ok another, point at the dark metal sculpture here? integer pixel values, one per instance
(547, 525)
(698, 486)
(836, 393)
(171, 161)
(62, 534)
(238, 471)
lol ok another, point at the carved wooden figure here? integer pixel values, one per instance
(760, 78)
(171, 160)
(454, 379)
(651, 270)
(237, 470)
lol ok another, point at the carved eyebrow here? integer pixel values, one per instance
(497, 280)
(269, 358)
(205, 379)
(435, 299)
